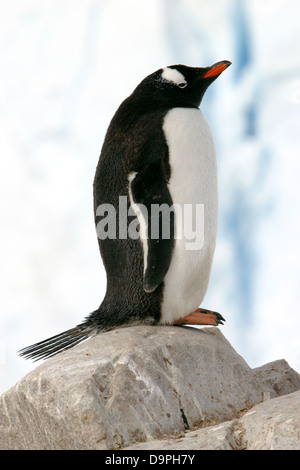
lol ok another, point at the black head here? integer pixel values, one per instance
(178, 85)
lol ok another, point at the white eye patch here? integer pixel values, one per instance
(172, 75)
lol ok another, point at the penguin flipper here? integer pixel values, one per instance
(152, 203)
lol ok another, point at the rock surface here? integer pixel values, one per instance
(272, 425)
(143, 387)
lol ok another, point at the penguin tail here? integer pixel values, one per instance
(51, 346)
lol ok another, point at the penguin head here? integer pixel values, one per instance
(178, 85)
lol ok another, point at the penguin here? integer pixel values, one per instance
(158, 153)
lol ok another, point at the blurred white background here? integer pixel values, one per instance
(66, 65)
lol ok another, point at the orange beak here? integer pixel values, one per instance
(216, 69)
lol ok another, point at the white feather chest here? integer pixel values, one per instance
(193, 182)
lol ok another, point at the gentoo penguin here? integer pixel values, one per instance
(159, 154)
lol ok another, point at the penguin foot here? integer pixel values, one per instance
(201, 316)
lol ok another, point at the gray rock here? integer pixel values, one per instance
(272, 425)
(278, 378)
(126, 386)
(220, 437)
(139, 387)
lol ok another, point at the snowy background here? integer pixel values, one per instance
(65, 67)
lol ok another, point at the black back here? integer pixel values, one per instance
(125, 150)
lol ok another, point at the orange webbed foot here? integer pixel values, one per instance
(201, 316)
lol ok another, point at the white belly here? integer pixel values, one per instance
(193, 181)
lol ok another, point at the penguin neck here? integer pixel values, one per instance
(132, 109)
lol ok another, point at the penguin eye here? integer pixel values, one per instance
(182, 84)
